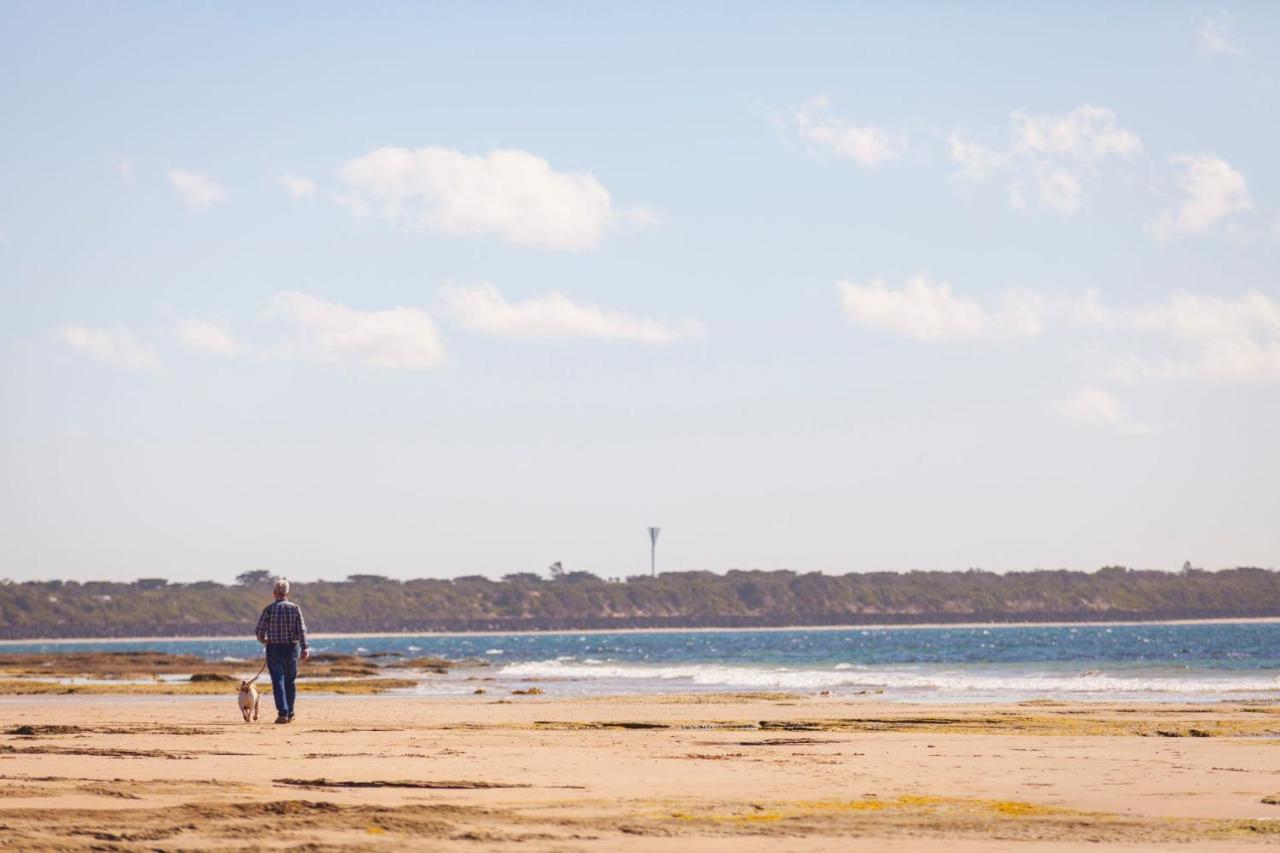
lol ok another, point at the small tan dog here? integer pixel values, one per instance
(248, 700)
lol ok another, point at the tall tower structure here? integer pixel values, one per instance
(653, 551)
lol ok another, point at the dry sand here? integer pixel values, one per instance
(740, 772)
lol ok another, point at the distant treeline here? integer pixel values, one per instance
(579, 600)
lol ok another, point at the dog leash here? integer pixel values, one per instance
(259, 675)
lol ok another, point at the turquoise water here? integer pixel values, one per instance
(1154, 662)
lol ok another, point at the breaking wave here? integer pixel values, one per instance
(849, 678)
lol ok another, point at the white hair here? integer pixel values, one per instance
(281, 587)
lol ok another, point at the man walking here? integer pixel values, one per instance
(282, 631)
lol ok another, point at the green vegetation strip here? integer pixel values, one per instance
(580, 600)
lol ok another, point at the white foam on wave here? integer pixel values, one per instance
(941, 681)
(700, 674)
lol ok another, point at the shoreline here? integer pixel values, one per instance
(1246, 620)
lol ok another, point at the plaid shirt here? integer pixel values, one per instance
(281, 622)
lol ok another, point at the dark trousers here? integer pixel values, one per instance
(282, 663)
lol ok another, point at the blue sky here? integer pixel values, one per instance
(438, 290)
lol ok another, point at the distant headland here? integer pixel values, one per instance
(153, 607)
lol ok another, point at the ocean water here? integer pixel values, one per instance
(1147, 662)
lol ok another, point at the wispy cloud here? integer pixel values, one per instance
(210, 338)
(195, 189)
(1090, 406)
(400, 338)
(1182, 336)
(1055, 153)
(1214, 36)
(867, 145)
(1060, 189)
(1087, 134)
(1221, 338)
(512, 194)
(1211, 191)
(387, 339)
(124, 168)
(482, 308)
(931, 311)
(115, 346)
(1197, 317)
(298, 187)
(976, 161)
(1095, 407)
(1212, 359)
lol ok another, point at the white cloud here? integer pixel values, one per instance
(481, 308)
(1095, 407)
(1090, 406)
(976, 160)
(929, 311)
(1060, 190)
(389, 339)
(1199, 317)
(1183, 336)
(512, 194)
(1057, 153)
(1232, 338)
(298, 187)
(1088, 310)
(208, 337)
(1213, 35)
(1238, 358)
(1087, 134)
(116, 346)
(124, 166)
(1212, 191)
(1211, 337)
(1243, 359)
(196, 190)
(866, 145)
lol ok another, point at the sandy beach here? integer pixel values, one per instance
(689, 772)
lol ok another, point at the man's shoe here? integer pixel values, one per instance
(291, 716)
(282, 719)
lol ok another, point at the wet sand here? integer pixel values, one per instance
(729, 772)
